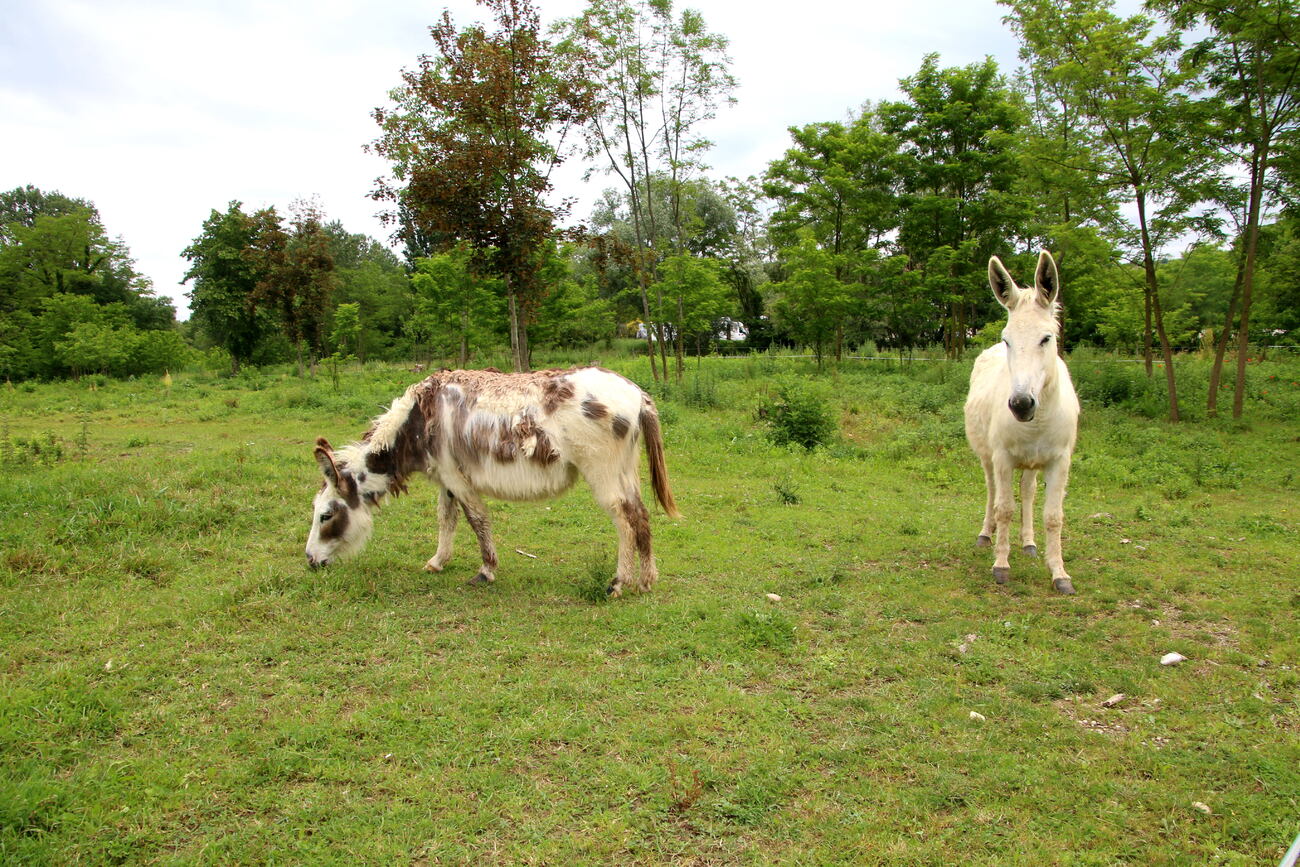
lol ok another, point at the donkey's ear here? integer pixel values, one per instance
(1046, 280)
(325, 458)
(1004, 288)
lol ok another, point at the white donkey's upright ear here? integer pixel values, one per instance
(325, 457)
(1046, 280)
(1004, 288)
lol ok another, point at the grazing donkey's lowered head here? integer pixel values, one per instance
(341, 521)
(1022, 414)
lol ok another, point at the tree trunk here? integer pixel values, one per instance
(1248, 277)
(1221, 342)
(681, 349)
(513, 307)
(1152, 291)
(464, 338)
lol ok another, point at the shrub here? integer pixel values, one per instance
(798, 414)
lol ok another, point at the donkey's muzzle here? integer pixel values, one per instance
(1022, 406)
(314, 563)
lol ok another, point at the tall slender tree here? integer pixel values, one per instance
(657, 80)
(474, 136)
(1133, 93)
(1251, 61)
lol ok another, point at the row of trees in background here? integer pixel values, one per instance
(71, 301)
(1119, 138)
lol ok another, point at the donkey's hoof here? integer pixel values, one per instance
(432, 567)
(1063, 586)
(1002, 574)
(480, 578)
(1031, 550)
(982, 541)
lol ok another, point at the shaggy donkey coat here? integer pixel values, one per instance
(513, 436)
(1022, 414)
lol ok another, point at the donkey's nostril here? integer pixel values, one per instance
(1022, 406)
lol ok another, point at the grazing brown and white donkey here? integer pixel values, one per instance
(1022, 414)
(513, 436)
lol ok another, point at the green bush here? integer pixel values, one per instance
(798, 413)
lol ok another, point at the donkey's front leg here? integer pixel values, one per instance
(446, 531)
(477, 515)
(1055, 477)
(1028, 487)
(985, 537)
(1004, 480)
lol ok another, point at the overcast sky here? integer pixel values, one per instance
(159, 111)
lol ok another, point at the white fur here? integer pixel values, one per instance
(1024, 365)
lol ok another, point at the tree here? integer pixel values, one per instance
(957, 167)
(696, 299)
(223, 301)
(22, 205)
(812, 301)
(456, 310)
(471, 142)
(1134, 97)
(839, 182)
(295, 272)
(656, 80)
(1251, 60)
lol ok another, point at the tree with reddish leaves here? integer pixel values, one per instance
(476, 131)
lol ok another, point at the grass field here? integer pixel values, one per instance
(177, 686)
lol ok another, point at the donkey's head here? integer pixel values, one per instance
(1031, 332)
(341, 519)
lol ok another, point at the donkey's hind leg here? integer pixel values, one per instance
(446, 531)
(477, 515)
(616, 487)
(985, 537)
(1028, 487)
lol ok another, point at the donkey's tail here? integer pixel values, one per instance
(654, 452)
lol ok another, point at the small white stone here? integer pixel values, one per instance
(962, 648)
(774, 597)
(1113, 700)
(108, 666)
(977, 716)
(1204, 808)
(1172, 659)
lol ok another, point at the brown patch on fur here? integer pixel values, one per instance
(620, 426)
(639, 518)
(505, 448)
(464, 450)
(555, 390)
(483, 530)
(594, 409)
(417, 438)
(347, 488)
(545, 453)
(335, 527)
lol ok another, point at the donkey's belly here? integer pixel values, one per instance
(523, 479)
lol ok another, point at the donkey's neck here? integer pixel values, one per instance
(401, 440)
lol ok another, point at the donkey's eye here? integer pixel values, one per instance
(1046, 340)
(325, 516)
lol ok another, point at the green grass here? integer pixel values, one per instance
(176, 685)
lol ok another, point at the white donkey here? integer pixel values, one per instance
(1022, 413)
(520, 436)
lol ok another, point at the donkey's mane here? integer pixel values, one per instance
(400, 440)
